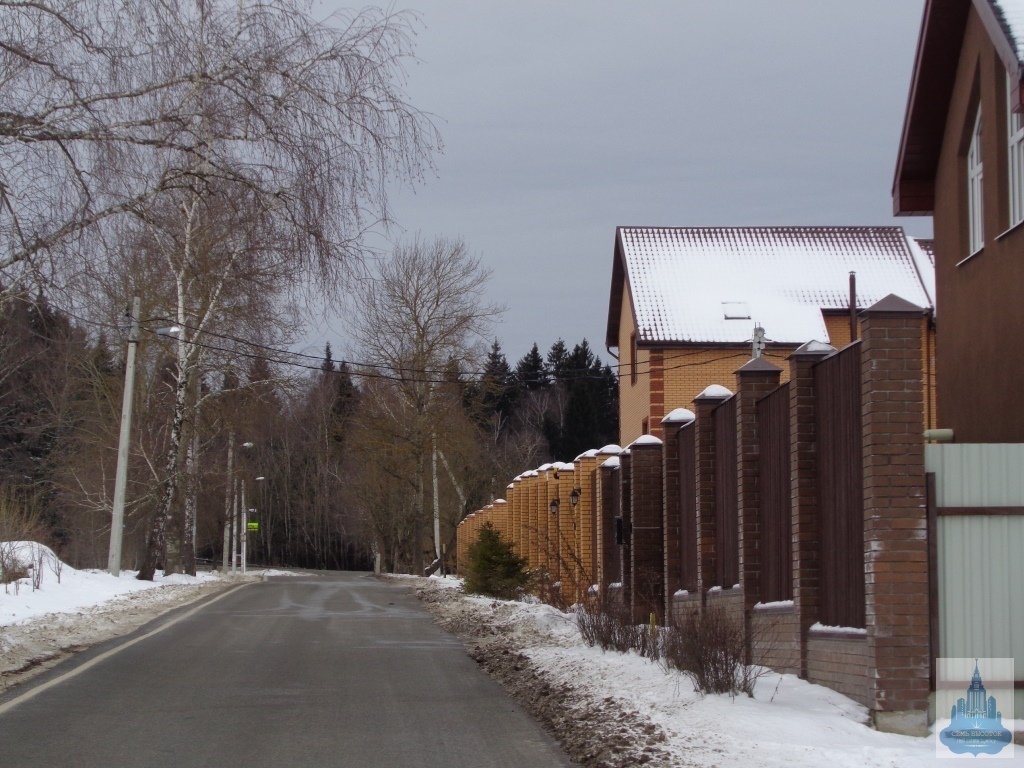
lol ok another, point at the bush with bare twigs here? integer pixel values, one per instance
(710, 647)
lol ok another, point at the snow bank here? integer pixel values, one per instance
(54, 587)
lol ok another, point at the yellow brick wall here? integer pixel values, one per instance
(634, 399)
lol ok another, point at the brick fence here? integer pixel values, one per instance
(807, 521)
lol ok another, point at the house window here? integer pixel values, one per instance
(632, 359)
(975, 207)
(1015, 155)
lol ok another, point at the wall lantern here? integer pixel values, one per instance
(554, 506)
(574, 497)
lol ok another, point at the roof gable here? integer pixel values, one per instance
(931, 88)
(686, 283)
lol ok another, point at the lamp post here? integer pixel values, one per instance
(245, 521)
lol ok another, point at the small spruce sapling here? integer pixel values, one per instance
(494, 568)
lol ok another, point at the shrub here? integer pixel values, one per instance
(494, 568)
(607, 623)
(710, 647)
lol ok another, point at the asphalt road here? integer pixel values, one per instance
(321, 670)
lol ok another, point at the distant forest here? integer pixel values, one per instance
(339, 482)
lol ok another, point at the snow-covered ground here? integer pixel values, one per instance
(53, 587)
(789, 722)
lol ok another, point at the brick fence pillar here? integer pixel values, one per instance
(754, 380)
(647, 566)
(672, 507)
(626, 512)
(704, 439)
(895, 518)
(803, 462)
(607, 500)
(586, 517)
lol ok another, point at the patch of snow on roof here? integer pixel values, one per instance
(715, 390)
(564, 467)
(925, 263)
(544, 467)
(613, 462)
(680, 416)
(1012, 12)
(646, 440)
(611, 448)
(511, 485)
(680, 278)
(592, 453)
(500, 501)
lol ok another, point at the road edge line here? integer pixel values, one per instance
(4, 708)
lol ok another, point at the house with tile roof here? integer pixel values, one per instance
(961, 160)
(688, 303)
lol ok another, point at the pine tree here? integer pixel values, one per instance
(497, 385)
(558, 360)
(531, 372)
(327, 366)
(494, 568)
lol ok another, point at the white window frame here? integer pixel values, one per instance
(1015, 155)
(975, 202)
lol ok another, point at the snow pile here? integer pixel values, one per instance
(50, 586)
(620, 709)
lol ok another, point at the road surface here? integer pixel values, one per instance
(319, 670)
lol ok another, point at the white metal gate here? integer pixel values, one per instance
(978, 523)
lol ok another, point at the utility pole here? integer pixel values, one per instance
(123, 444)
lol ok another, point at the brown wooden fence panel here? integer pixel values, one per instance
(727, 570)
(688, 507)
(841, 488)
(776, 522)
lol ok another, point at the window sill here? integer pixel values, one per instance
(1014, 228)
(968, 258)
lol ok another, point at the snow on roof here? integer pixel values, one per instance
(923, 252)
(500, 501)
(587, 454)
(544, 467)
(1012, 12)
(612, 462)
(611, 448)
(562, 466)
(687, 282)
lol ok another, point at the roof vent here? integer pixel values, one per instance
(736, 310)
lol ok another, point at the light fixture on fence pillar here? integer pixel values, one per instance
(554, 506)
(574, 497)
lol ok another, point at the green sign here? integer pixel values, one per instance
(252, 526)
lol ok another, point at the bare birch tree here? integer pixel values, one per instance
(106, 106)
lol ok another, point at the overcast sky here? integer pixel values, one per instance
(563, 120)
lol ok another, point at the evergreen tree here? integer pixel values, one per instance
(494, 568)
(558, 359)
(497, 385)
(327, 366)
(531, 372)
